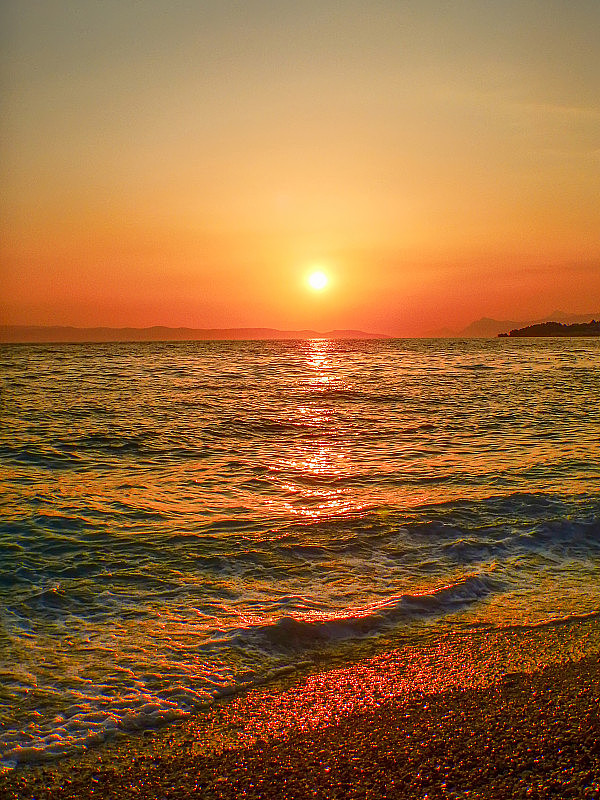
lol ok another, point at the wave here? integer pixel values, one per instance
(47, 458)
(302, 632)
(353, 395)
(476, 367)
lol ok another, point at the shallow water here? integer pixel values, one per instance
(181, 520)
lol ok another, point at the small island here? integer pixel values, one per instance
(556, 329)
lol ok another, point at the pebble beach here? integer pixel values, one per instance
(526, 735)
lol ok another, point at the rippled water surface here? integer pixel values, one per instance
(183, 519)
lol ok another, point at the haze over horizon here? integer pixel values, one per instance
(190, 165)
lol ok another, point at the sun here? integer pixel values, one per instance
(318, 280)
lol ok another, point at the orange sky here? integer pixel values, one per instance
(186, 163)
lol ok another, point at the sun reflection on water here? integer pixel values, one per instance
(318, 359)
(315, 470)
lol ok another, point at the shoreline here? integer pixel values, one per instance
(525, 734)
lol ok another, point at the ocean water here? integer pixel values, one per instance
(183, 520)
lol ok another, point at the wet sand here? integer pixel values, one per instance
(527, 735)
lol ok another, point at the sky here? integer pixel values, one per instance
(191, 163)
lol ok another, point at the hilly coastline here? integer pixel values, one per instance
(556, 324)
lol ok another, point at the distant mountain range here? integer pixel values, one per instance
(485, 327)
(40, 333)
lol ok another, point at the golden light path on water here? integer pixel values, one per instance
(317, 463)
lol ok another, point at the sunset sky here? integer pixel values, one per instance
(192, 162)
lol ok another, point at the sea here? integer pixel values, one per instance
(187, 520)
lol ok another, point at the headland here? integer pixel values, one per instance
(555, 329)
